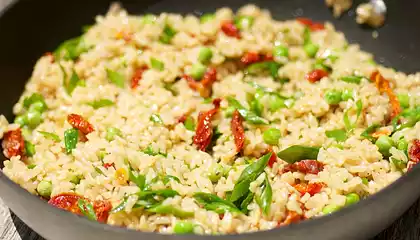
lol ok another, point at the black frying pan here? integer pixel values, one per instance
(28, 29)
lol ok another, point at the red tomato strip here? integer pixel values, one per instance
(204, 130)
(305, 166)
(316, 75)
(229, 28)
(383, 86)
(314, 26)
(68, 202)
(272, 159)
(137, 76)
(13, 143)
(250, 57)
(80, 123)
(311, 188)
(238, 130)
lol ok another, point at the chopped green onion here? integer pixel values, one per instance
(156, 64)
(87, 209)
(347, 94)
(29, 149)
(404, 100)
(116, 78)
(149, 19)
(340, 135)
(35, 97)
(168, 209)
(74, 82)
(189, 123)
(214, 203)
(244, 22)
(266, 196)
(384, 144)
(280, 51)
(167, 34)
(71, 136)
(352, 79)
(101, 103)
(296, 153)
(156, 119)
(112, 132)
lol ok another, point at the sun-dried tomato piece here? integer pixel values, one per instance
(268, 57)
(102, 209)
(305, 166)
(229, 28)
(272, 159)
(383, 85)
(80, 123)
(414, 154)
(291, 217)
(314, 26)
(316, 75)
(108, 165)
(13, 143)
(250, 57)
(204, 86)
(204, 130)
(183, 118)
(238, 130)
(138, 74)
(209, 77)
(311, 188)
(67, 201)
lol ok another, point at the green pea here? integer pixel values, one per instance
(280, 51)
(75, 179)
(271, 136)
(311, 49)
(149, 18)
(347, 94)
(34, 118)
(330, 208)
(197, 71)
(244, 22)
(365, 181)
(205, 55)
(44, 189)
(22, 120)
(184, 227)
(402, 144)
(216, 172)
(333, 97)
(189, 123)
(275, 103)
(111, 133)
(38, 106)
(404, 100)
(352, 198)
(384, 143)
(207, 17)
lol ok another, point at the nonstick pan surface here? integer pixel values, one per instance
(28, 29)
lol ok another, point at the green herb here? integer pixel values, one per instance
(149, 151)
(214, 203)
(352, 79)
(31, 166)
(406, 119)
(350, 126)
(384, 144)
(268, 66)
(138, 179)
(168, 209)
(50, 135)
(116, 78)
(98, 170)
(87, 209)
(399, 164)
(296, 153)
(249, 116)
(156, 64)
(169, 178)
(149, 19)
(340, 135)
(101, 103)
(189, 123)
(71, 136)
(120, 206)
(34, 98)
(367, 133)
(264, 199)
(165, 193)
(71, 49)
(73, 82)
(156, 119)
(249, 175)
(247, 200)
(167, 34)
(29, 149)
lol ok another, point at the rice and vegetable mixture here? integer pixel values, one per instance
(222, 123)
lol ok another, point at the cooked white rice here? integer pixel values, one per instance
(352, 166)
